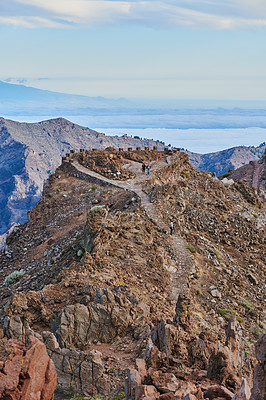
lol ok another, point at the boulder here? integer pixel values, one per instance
(146, 392)
(182, 315)
(189, 396)
(27, 373)
(216, 391)
(185, 389)
(132, 382)
(244, 391)
(141, 368)
(164, 382)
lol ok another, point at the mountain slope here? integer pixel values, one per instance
(254, 174)
(29, 153)
(104, 284)
(221, 161)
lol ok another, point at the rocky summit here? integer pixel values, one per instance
(125, 309)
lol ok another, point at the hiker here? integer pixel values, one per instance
(171, 227)
(169, 147)
(148, 170)
(143, 167)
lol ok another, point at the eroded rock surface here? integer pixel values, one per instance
(27, 373)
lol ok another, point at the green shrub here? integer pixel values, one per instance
(79, 253)
(94, 208)
(245, 303)
(226, 174)
(227, 313)
(13, 277)
(255, 215)
(77, 236)
(191, 248)
(256, 330)
(198, 291)
(93, 187)
(216, 252)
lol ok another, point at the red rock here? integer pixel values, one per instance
(215, 391)
(28, 373)
(164, 382)
(166, 396)
(146, 392)
(186, 388)
(190, 396)
(259, 386)
(141, 368)
(244, 391)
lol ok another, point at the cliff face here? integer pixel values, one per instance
(106, 287)
(254, 174)
(22, 173)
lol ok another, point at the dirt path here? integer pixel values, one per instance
(182, 261)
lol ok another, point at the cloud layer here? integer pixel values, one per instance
(223, 15)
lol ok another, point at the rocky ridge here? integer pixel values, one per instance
(253, 174)
(101, 285)
(30, 152)
(221, 162)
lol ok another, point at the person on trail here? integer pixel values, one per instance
(143, 167)
(171, 227)
(148, 169)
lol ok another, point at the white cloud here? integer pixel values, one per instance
(30, 22)
(224, 15)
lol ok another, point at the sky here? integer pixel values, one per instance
(168, 49)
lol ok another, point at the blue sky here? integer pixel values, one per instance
(204, 49)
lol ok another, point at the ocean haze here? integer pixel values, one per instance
(199, 126)
(199, 140)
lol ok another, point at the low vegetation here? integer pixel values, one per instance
(13, 277)
(226, 174)
(191, 248)
(227, 313)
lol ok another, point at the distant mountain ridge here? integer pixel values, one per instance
(24, 99)
(221, 161)
(254, 174)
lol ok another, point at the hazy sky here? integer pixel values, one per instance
(183, 49)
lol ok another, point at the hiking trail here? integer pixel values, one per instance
(183, 263)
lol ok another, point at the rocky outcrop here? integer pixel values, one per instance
(226, 362)
(80, 325)
(244, 391)
(76, 370)
(254, 174)
(27, 373)
(259, 385)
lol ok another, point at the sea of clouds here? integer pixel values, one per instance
(198, 130)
